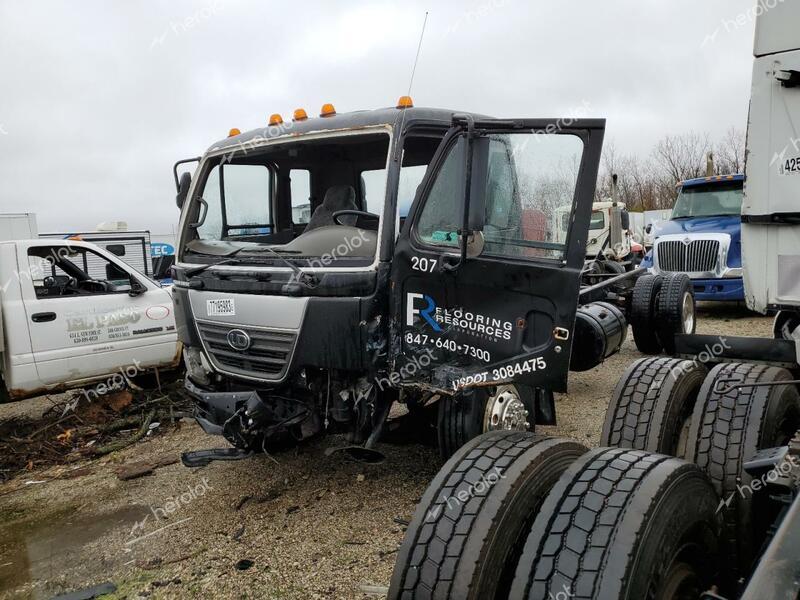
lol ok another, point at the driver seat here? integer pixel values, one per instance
(338, 197)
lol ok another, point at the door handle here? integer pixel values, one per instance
(43, 316)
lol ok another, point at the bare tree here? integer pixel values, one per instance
(730, 150)
(648, 183)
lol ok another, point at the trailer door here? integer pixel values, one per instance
(486, 273)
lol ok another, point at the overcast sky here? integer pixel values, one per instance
(98, 99)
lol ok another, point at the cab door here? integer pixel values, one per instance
(486, 271)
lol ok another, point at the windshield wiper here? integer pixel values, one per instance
(228, 261)
(307, 280)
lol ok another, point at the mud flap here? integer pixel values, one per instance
(545, 407)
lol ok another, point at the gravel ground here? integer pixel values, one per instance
(304, 525)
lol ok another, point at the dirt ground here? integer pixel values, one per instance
(304, 525)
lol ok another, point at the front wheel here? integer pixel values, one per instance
(468, 414)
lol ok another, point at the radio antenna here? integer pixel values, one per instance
(416, 58)
(411, 81)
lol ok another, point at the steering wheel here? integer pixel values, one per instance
(350, 211)
(70, 285)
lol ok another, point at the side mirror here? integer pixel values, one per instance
(137, 289)
(183, 189)
(477, 175)
(626, 220)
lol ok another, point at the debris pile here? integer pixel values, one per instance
(83, 424)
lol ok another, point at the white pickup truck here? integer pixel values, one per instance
(73, 314)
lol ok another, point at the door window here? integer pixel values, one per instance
(59, 271)
(529, 178)
(301, 196)
(441, 216)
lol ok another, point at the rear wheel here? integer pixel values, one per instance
(470, 525)
(643, 311)
(675, 309)
(622, 524)
(651, 404)
(466, 415)
(729, 425)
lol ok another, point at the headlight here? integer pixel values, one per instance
(195, 366)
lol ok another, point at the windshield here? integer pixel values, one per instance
(717, 199)
(287, 198)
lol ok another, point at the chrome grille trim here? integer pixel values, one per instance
(267, 359)
(701, 256)
(695, 257)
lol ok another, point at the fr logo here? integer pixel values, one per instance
(424, 306)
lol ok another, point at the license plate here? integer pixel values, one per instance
(220, 307)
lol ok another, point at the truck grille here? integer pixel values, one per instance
(266, 358)
(698, 256)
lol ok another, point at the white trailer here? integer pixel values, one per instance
(18, 226)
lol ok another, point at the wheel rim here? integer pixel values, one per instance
(681, 583)
(505, 411)
(687, 310)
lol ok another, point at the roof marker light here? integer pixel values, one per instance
(405, 102)
(276, 119)
(300, 115)
(233, 132)
(327, 110)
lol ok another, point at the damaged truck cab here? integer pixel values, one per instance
(329, 267)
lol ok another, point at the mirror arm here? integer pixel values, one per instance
(464, 232)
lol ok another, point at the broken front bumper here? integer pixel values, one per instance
(214, 409)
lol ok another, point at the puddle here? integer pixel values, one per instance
(49, 548)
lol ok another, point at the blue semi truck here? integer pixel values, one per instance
(703, 237)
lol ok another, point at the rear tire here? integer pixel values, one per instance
(462, 417)
(727, 430)
(651, 404)
(614, 267)
(675, 310)
(466, 547)
(622, 524)
(643, 310)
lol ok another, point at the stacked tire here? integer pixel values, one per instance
(636, 520)
(662, 306)
(514, 515)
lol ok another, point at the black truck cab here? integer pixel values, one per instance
(328, 267)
